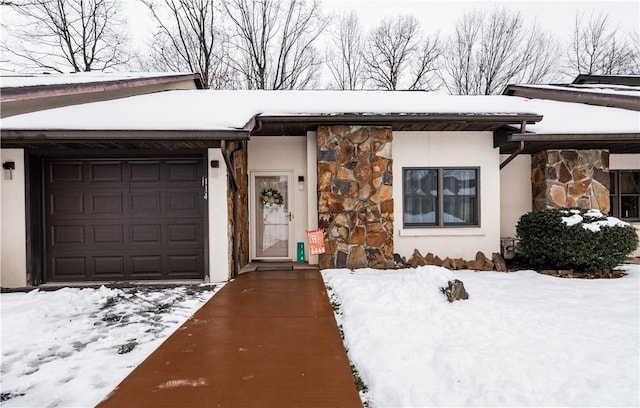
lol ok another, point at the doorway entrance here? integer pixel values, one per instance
(271, 213)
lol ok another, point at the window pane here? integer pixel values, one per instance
(613, 178)
(629, 182)
(460, 196)
(420, 196)
(629, 206)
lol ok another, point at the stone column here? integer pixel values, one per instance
(355, 196)
(570, 178)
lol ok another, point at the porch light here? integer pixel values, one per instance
(301, 183)
(10, 166)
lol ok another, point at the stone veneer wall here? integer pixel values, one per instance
(355, 197)
(238, 152)
(570, 178)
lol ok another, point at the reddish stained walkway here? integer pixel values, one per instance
(267, 339)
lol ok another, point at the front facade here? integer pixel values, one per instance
(172, 203)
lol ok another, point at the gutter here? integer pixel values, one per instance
(520, 149)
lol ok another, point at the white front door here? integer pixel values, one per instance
(270, 210)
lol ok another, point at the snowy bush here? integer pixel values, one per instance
(583, 240)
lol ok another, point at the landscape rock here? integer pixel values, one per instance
(416, 259)
(455, 291)
(498, 262)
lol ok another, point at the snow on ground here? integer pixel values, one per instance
(522, 338)
(71, 347)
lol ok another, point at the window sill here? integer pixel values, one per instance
(441, 232)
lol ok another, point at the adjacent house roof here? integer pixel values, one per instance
(28, 93)
(593, 112)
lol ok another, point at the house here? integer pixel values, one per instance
(195, 184)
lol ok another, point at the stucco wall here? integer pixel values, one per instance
(286, 153)
(515, 193)
(13, 239)
(449, 149)
(218, 219)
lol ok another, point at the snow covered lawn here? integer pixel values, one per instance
(522, 338)
(71, 347)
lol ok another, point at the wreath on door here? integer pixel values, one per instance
(271, 198)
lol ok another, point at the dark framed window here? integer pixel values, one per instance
(440, 197)
(625, 194)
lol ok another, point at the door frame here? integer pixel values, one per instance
(253, 217)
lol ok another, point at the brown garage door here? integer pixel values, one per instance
(124, 219)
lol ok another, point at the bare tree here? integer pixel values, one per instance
(275, 42)
(63, 35)
(344, 54)
(597, 48)
(398, 56)
(489, 50)
(634, 40)
(190, 37)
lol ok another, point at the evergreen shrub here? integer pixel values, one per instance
(574, 238)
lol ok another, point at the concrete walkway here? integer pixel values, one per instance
(267, 339)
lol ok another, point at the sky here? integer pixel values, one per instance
(440, 16)
(434, 15)
(557, 16)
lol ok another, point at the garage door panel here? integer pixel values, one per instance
(146, 266)
(107, 234)
(108, 267)
(66, 172)
(145, 203)
(106, 204)
(180, 171)
(145, 234)
(102, 172)
(184, 203)
(63, 203)
(69, 268)
(144, 171)
(124, 219)
(184, 264)
(68, 235)
(182, 233)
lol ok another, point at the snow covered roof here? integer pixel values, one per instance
(206, 115)
(233, 110)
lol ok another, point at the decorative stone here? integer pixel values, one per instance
(354, 211)
(564, 175)
(384, 193)
(455, 291)
(458, 263)
(416, 259)
(384, 151)
(499, 262)
(341, 259)
(375, 259)
(557, 195)
(358, 135)
(357, 258)
(357, 236)
(482, 263)
(381, 133)
(376, 239)
(602, 196)
(580, 188)
(447, 263)
(386, 208)
(582, 173)
(327, 155)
